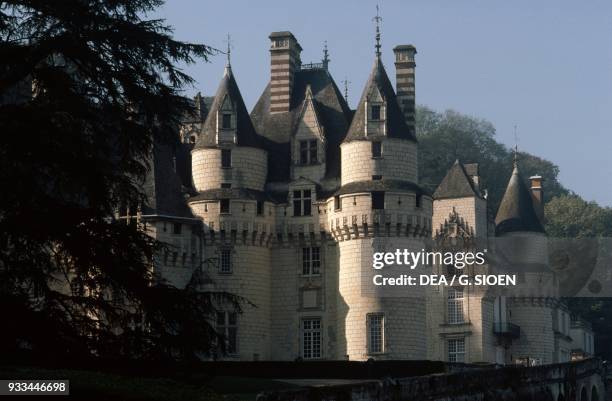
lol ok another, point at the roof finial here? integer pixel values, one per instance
(228, 52)
(377, 20)
(515, 163)
(346, 83)
(325, 56)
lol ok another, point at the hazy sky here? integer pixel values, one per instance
(543, 65)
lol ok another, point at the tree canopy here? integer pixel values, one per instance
(87, 88)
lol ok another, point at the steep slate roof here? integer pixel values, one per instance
(163, 189)
(245, 132)
(277, 129)
(396, 125)
(516, 212)
(457, 183)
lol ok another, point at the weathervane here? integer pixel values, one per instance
(346, 83)
(377, 20)
(325, 56)
(515, 147)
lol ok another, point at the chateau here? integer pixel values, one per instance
(286, 205)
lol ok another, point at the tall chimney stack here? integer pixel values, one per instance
(537, 194)
(404, 77)
(285, 61)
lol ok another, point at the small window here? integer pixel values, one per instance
(192, 139)
(308, 152)
(176, 228)
(311, 338)
(225, 261)
(376, 113)
(313, 152)
(302, 203)
(260, 208)
(376, 330)
(227, 121)
(378, 200)
(303, 152)
(376, 177)
(456, 350)
(311, 261)
(226, 158)
(376, 149)
(455, 306)
(337, 203)
(227, 326)
(418, 202)
(226, 185)
(224, 206)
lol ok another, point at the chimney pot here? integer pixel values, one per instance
(537, 194)
(404, 82)
(285, 61)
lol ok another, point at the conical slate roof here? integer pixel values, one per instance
(456, 184)
(396, 125)
(245, 132)
(516, 212)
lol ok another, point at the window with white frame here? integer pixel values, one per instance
(455, 306)
(376, 331)
(225, 261)
(311, 261)
(227, 326)
(302, 202)
(456, 350)
(311, 338)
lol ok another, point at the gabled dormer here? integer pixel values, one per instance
(376, 113)
(308, 144)
(226, 122)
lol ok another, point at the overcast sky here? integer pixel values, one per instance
(545, 65)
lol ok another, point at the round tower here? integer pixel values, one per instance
(229, 167)
(521, 249)
(379, 208)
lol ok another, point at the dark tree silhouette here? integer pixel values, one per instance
(86, 89)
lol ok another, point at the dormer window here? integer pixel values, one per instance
(375, 112)
(226, 121)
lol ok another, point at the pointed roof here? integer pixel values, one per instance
(245, 132)
(456, 184)
(516, 212)
(396, 125)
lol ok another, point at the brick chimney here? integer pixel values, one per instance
(285, 61)
(537, 194)
(404, 77)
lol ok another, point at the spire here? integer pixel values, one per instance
(516, 212)
(326, 59)
(228, 53)
(377, 20)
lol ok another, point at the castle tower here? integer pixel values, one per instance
(379, 207)
(534, 302)
(229, 171)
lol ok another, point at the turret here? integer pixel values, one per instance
(228, 152)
